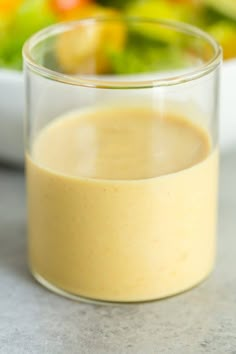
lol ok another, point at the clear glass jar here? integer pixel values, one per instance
(122, 157)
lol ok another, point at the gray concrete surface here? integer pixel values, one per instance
(35, 321)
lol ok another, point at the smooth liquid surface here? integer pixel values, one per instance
(120, 144)
(122, 204)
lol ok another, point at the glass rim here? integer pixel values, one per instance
(77, 80)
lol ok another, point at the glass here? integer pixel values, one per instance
(122, 157)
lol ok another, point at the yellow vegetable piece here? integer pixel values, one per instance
(85, 49)
(160, 9)
(8, 7)
(225, 34)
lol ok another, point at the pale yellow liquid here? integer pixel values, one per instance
(122, 204)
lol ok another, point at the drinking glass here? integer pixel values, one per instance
(121, 146)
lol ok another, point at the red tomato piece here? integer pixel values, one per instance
(68, 5)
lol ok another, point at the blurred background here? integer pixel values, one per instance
(19, 19)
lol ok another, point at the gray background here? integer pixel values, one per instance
(33, 320)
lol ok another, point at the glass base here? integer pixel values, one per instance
(61, 292)
(80, 298)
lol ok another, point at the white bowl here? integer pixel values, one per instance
(12, 111)
(11, 116)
